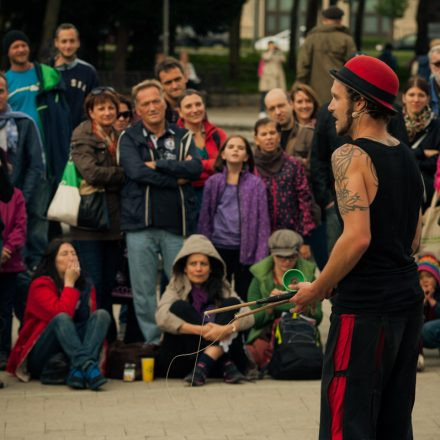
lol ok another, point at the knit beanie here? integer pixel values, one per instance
(11, 37)
(431, 265)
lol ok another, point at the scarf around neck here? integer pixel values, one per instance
(269, 164)
(418, 122)
(109, 139)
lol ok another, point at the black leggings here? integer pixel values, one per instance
(174, 345)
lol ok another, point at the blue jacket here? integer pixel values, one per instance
(144, 185)
(434, 96)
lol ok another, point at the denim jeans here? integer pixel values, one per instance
(143, 250)
(37, 224)
(100, 260)
(431, 334)
(7, 292)
(81, 343)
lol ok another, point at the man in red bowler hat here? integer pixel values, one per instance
(369, 375)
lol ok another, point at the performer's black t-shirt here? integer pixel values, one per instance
(385, 280)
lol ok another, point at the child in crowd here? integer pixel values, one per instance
(13, 216)
(429, 277)
(234, 214)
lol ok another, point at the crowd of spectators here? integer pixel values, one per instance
(218, 217)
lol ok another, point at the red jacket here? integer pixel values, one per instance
(214, 139)
(13, 215)
(43, 304)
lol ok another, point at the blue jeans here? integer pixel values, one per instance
(81, 342)
(143, 250)
(431, 334)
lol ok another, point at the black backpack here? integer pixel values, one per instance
(297, 350)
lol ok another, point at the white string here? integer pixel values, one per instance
(192, 354)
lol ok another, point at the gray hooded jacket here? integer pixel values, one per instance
(180, 287)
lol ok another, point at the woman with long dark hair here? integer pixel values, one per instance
(61, 317)
(199, 284)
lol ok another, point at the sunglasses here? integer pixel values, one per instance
(436, 64)
(98, 90)
(124, 115)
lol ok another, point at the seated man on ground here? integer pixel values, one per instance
(284, 246)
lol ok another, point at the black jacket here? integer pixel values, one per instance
(146, 190)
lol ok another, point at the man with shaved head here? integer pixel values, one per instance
(279, 109)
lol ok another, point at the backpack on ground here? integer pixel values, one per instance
(297, 349)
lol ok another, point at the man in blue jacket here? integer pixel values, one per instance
(158, 203)
(21, 142)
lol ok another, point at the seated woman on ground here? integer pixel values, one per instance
(61, 317)
(284, 246)
(199, 284)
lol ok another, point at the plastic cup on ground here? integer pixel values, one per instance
(147, 369)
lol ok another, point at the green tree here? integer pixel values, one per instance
(392, 9)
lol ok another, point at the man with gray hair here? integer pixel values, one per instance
(157, 200)
(434, 80)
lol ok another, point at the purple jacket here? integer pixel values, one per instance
(254, 216)
(13, 215)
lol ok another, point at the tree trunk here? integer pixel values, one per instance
(422, 42)
(234, 47)
(120, 56)
(358, 27)
(312, 14)
(291, 62)
(49, 25)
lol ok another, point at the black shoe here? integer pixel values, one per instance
(231, 373)
(1, 384)
(198, 376)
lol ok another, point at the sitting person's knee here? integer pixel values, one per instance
(102, 315)
(181, 308)
(62, 317)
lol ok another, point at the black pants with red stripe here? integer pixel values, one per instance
(369, 377)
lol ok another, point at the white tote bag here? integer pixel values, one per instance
(430, 239)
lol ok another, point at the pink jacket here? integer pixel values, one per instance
(13, 215)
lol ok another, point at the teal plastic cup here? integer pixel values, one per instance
(292, 276)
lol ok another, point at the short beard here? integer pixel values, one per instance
(346, 128)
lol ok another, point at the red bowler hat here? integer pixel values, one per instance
(371, 78)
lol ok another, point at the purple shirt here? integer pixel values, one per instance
(199, 300)
(226, 231)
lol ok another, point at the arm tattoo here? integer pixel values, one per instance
(348, 201)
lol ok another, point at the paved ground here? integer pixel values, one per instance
(266, 409)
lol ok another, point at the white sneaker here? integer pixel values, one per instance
(420, 363)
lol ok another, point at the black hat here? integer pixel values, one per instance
(11, 37)
(333, 13)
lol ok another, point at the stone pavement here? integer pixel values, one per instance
(266, 409)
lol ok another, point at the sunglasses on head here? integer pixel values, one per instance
(98, 90)
(124, 115)
(436, 64)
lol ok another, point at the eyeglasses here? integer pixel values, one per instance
(98, 90)
(125, 115)
(436, 64)
(288, 258)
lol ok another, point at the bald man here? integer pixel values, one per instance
(279, 109)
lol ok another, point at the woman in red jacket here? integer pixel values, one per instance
(61, 316)
(207, 137)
